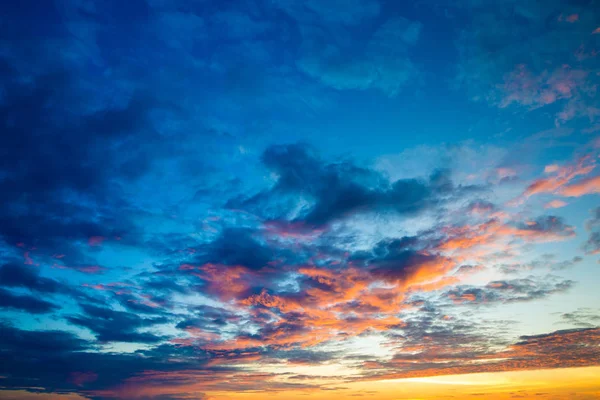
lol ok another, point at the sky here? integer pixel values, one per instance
(299, 199)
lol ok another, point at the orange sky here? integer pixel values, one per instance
(552, 384)
(571, 383)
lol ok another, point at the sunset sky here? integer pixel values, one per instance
(299, 199)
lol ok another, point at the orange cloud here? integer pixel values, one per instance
(583, 187)
(562, 177)
(227, 282)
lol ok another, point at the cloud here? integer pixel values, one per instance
(334, 191)
(585, 186)
(561, 179)
(237, 246)
(501, 62)
(24, 276)
(118, 161)
(116, 326)
(545, 228)
(25, 303)
(521, 87)
(484, 239)
(15, 340)
(481, 207)
(582, 317)
(397, 261)
(555, 204)
(509, 291)
(547, 262)
(559, 349)
(54, 358)
(384, 64)
(592, 246)
(346, 12)
(51, 163)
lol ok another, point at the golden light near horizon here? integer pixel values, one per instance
(572, 383)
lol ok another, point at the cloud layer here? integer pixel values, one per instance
(198, 200)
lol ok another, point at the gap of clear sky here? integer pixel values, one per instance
(292, 199)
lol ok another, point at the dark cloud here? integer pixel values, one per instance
(592, 246)
(51, 358)
(25, 276)
(210, 319)
(50, 161)
(39, 341)
(546, 223)
(559, 349)
(510, 291)
(18, 276)
(79, 168)
(546, 227)
(238, 246)
(338, 190)
(116, 326)
(528, 289)
(144, 303)
(582, 317)
(25, 303)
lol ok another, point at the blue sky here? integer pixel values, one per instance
(189, 185)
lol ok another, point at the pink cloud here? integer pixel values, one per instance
(291, 230)
(27, 259)
(86, 269)
(555, 204)
(572, 18)
(96, 240)
(562, 177)
(505, 172)
(81, 378)
(521, 86)
(583, 187)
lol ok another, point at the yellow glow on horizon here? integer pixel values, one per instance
(571, 383)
